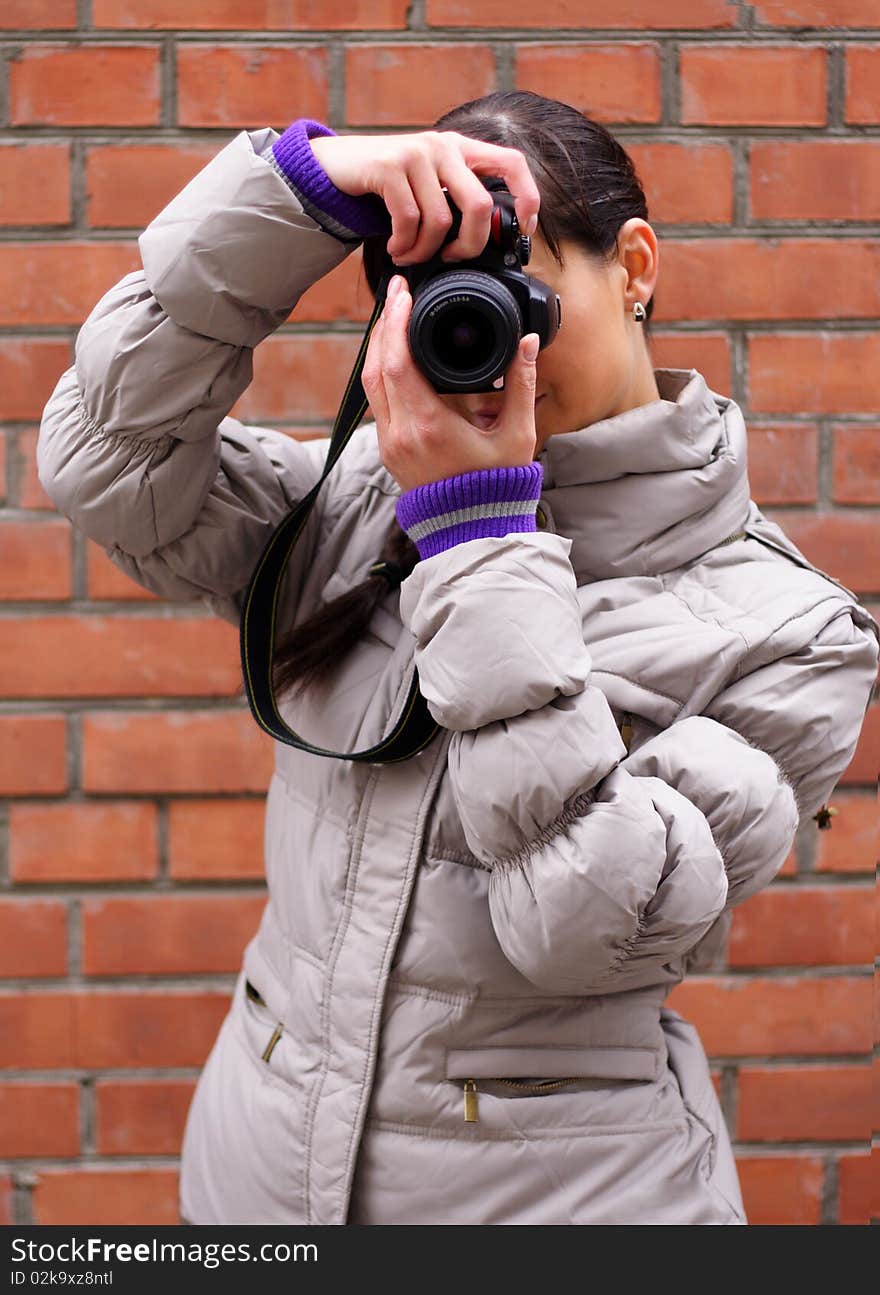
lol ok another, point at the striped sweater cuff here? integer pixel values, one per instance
(362, 216)
(470, 506)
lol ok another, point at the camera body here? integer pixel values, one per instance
(468, 317)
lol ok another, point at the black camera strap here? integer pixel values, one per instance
(415, 727)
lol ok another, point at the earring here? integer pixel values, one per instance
(639, 312)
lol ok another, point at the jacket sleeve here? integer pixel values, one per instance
(135, 446)
(605, 866)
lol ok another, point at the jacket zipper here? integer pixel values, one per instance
(737, 535)
(470, 1090)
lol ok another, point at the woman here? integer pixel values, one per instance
(453, 1010)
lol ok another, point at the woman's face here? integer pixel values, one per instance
(598, 364)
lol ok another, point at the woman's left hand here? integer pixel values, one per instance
(420, 438)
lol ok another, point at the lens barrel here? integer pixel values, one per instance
(464, 328)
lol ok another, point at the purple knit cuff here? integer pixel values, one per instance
(470, 506)
(364, 215)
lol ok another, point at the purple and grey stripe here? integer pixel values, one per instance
(348, 218)
(470, 506)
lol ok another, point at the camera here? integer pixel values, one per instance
(468, 317)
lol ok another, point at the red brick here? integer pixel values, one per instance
(168, 935)
(708, 353)
(808, 926)
(859, 1187)
(784, 463)
(841, 544)
(104, 579)
(410, 84)
(3, 483)
(36, 1031)
(119, 656)
(227, 85)
(582, 13)
(33, 938)
(816, 13)
(815, 180)
(94, 85)
(36, 560)
(732, 85)
(107, 1197)
(857, 463)
(298, 377)
(39, 1120)
(814, 373)
(781, 1190)
(33, 15)
(141, 1117)
(619, 83)
(216, 839)
(32, 755)
(686, 183)
(794, 1016)
(250, 15)
(176, 751)
(772, 279)
(29, 371)
(95, 841)
(341, 294)
(30, 490)
(862, 80)
(59, 283)
(139, 1028)
(864, 766)
(850, 844)
(127, 185)
(789, 867)
(34, 184)
(804, 1104)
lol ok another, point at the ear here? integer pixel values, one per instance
(639, 256)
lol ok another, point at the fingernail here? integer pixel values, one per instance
(532, 225)
(394, 286)
(531, 346)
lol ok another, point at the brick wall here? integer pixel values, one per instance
(130, 854)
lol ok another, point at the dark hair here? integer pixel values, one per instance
(589, 188)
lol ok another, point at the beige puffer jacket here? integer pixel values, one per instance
(493, 925)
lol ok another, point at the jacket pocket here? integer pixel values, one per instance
(690, 1068)
(535, 1070)
(242, 1152)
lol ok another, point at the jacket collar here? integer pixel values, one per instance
(649, 489)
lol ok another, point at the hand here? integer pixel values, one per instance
(420, 438)
(408, 172)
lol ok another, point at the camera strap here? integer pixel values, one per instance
(415, 727)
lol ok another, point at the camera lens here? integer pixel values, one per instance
(464, 329)
(463, 339)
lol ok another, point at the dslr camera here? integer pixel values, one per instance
(467, 317)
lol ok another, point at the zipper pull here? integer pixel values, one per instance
(276, 1035)
(470, 1100)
